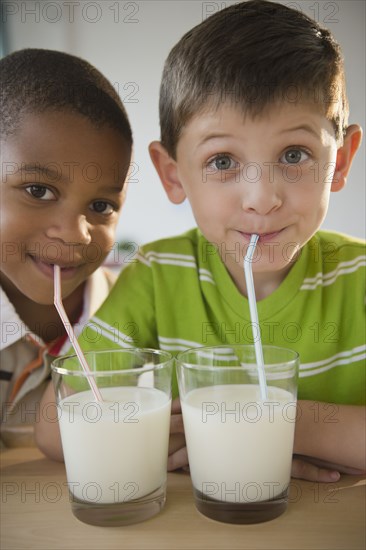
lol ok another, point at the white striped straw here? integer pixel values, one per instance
(254, 315)
(63, 315)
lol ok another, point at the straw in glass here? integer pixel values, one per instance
(254, 315)
(63, 315)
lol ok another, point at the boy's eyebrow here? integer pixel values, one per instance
(212, 136)
(44, 170)
(56, 175)
(114, 188)
(302, 127)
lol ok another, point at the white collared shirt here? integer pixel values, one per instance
(19, 346)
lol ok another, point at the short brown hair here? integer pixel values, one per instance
(253, 54)
(38, 80)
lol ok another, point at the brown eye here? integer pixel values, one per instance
(102, 207)
(40, 192)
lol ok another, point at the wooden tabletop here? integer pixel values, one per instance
(36, 513)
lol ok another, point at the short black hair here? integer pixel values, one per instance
(39, 80)
(252, 54)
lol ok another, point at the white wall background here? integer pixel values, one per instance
(129, 41)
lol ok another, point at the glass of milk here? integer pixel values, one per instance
(115, 450)
(239, 447)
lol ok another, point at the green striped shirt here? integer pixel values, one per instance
(178, 294)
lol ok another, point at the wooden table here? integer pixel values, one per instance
(36, 513)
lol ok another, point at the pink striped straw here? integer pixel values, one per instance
(65, 320)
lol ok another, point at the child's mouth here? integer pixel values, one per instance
(47, 268)
(263, 237)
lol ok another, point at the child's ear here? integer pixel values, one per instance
(167, 169)
(345, 156)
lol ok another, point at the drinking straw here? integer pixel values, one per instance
(65, 320)
(254, 314)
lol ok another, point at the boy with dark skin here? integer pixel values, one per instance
(65, 152)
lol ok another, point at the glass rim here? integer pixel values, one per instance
(293, 356)
(55, 368)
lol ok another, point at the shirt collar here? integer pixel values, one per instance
(14, 329)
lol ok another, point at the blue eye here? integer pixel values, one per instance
(40, 192)
(223, 162)
(294, 156)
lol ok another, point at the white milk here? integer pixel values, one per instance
(117, 450)
(239, 449)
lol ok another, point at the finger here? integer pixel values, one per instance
(305, 470)
(176, 424)
(342, 469)
(178, 460)
(176, 442)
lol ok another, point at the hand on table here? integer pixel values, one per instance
(314, 469)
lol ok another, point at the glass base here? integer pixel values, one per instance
(119, 513)
(242, 512)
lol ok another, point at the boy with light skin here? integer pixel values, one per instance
(255, 134)
(65, 152)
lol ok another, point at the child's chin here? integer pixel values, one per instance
(273, 265)
(41, 299)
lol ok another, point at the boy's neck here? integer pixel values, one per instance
(43, 320)
(265, 286)
(264, 283)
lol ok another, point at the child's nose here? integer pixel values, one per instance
(70, 228)
(261, 196)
